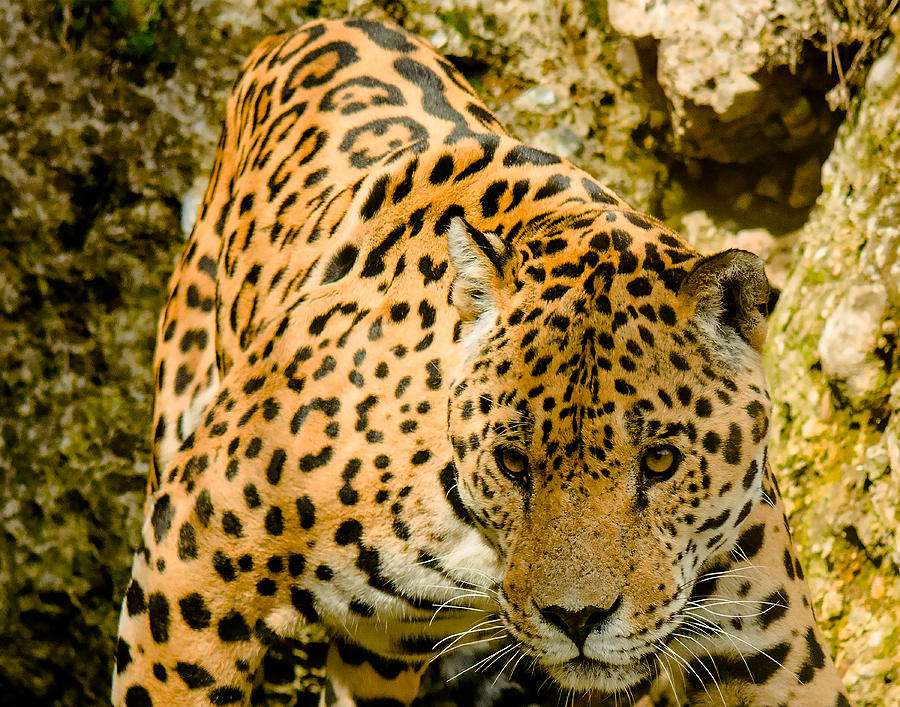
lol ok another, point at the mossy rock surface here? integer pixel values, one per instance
(835, 373)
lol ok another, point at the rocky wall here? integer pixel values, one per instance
(716, 116)
(834, 363)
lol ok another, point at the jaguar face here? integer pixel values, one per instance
(609, 451)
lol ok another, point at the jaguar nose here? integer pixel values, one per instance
(578, 625)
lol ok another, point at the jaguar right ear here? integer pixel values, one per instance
(480, 260)
(729, 297)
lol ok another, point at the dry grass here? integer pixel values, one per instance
(869, 22)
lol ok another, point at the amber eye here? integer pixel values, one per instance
(659, 463)
(512, 463)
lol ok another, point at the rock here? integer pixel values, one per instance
(882, 73)
(741, 85)
(629, 61)
(536, 99)
(191, 201)
(562, 141)
(849, 339)
(756, 240)
(806, 184)
(835, 372)
(770, 185)
(439, 39)
(708, 237)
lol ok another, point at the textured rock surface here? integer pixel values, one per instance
(715, 61)
(107, 132)
(743, 84)
(835, 373)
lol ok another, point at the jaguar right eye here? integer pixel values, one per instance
(512, 463)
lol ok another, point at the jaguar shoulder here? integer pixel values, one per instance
(417, 381)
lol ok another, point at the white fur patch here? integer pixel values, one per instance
(285, 621)
(734, 350)
(473, 285)
(187, 422)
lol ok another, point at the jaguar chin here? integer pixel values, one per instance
(584, 674)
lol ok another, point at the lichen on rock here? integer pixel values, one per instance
(835, 373)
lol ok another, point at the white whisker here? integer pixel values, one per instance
(516, 653)
(684, 664)
(698, 629)
(474, 591)
(730, 636)
(474, 666)
(449, 604)
(702, 665)
(516, 664)
(486, 625)
(495, 637)
(659, 659)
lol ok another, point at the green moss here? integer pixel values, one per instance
(458, 20)
(137, 27)
(597, 13)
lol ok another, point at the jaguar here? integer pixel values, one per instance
(424, 385)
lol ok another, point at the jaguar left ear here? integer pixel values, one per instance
(480, 260)
(729, 294)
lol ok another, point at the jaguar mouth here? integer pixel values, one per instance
(591, 675)
(624, 664)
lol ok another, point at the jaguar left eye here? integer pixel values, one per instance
(659, 463)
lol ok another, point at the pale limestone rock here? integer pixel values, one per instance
(731, 69)
(850, 335)
(536, 99)
(708, 237)
(756, 240)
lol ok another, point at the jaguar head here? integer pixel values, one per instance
(609, 423)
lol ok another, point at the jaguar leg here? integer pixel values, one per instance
(177, 646)
(205, 600)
